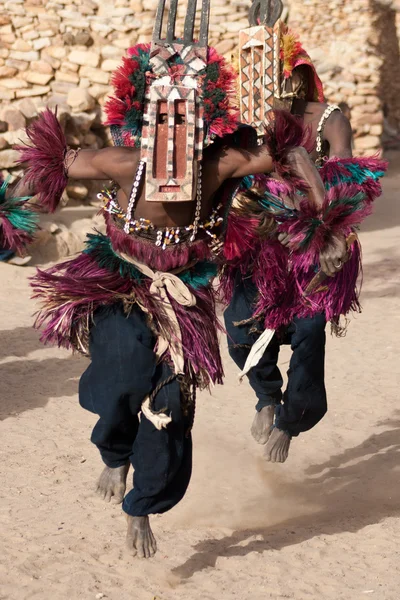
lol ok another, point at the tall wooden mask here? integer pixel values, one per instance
(173, 131)
(259, 64)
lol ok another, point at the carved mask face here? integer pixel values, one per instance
(172, 138)
(173, 144)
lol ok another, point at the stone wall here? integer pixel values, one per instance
(63, 52)
(395, 4)
(355, 47)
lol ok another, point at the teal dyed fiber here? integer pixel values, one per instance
(272, 204)
(200, 275)
(25, 220)
(358, 175)
(134, 116)
(269, 201)
(247, 182)
(3, 192)
(22, 219)
(361, 174)
(352, 204)
(144, 59)
(100, 246)
(96, 241)
(314, 224)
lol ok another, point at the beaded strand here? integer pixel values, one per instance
(133, 197)
(167, 235)
(197, 212)
(319, 141)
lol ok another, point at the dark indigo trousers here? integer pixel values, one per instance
(6, 254)
(304, 401)
(123, 371)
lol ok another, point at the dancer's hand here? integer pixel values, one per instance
(334, 255)
(284, 239)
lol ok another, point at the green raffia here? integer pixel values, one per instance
(357, 175)
(269, 201)
(273, 205)
(14, 211)
(200, 275)
(314, 223)
(349, 206)
(100, 247)
(134, 116)
(247, 182)
(361, 174)
(352, 204)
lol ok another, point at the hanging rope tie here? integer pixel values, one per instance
(159, 418)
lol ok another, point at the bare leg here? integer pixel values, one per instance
(277, 448)
(112, 483)
(139, 538)
(263, 421)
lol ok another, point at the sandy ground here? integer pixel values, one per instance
(326, 525)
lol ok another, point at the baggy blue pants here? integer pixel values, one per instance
(304, 400)
(123, 371)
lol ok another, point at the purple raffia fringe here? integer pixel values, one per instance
(282, 278)
(148, 253)
(265, 262)
(199, 326)
(281, 281)
(11, 237)
(45, 157)
(336, 296)
(283, 133)
(344, 171)
(18, 221)
(240, 238)
(314, 226)
(72, 291)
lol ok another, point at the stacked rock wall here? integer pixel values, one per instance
(63, 52)
(356, 51)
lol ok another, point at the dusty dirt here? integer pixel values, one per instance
(325, 525)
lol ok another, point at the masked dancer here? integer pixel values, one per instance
(139, 300)
(292, 265)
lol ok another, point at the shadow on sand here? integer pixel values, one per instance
(29, 383)
(351, 490)
(382, 276)
(19, 342)
(386, 213)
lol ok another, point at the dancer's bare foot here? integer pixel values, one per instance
(263, 421)
(277, 448)
(139, 538)
(112, 484)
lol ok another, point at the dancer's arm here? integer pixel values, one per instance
(237, 163)
(49, 162)
(240, 163)
(108, 163)
(339, 135)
